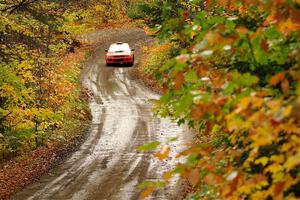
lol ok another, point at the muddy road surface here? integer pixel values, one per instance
(107, 166)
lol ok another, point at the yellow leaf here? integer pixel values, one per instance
(259, 195)
(274, 168)
(263, 136)
(286, 147)
(292, 162)
(243, 104)
(287, 111)
(277, 158)
(263, 161)
(167, 176)
(234, 122)
(275, 105)
(257, 102)
(277, 177)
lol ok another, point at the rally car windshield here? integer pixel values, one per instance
(117, 48)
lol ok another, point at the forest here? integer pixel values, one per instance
(41, 99)
(228, 69)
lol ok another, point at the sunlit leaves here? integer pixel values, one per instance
(238, 75)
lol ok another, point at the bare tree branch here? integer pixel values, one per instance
(20, 4)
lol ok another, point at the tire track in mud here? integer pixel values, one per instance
(107, 166)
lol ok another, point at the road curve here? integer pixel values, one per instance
(107, 165)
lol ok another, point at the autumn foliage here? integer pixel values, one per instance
(41, 100)
(237, 82)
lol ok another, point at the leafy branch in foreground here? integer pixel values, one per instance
(237, 81)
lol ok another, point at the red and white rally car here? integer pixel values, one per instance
(119, 53)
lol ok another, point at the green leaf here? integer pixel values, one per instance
(230, 88)
(248, 80)
(156, 184)
(173, 139)
(180, 67)
(201, 15)
(149, 147)
(184, 103)
(193, 159)
(271, 33)
(191, 76)
(168, 65)
(216, 20)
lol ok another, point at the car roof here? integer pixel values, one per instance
(119, 46)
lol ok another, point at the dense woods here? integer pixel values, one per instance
(235, 81)
(40, 97)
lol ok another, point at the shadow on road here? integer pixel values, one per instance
(120, 65)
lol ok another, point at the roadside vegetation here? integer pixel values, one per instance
(40, 92)
(43, 108)
(154, 56)
(236, 82)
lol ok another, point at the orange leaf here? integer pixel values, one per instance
(147, 192)
(213, 38)
(279, 188)
(259, 178)
(213, 179)
(242, 30)
(198, 112)
(164, 153)
(193, 177)
(264, 45)
(285, 86)
(287, 26)
(277, 78)
(211, 167)
(227, 190)
(178, 81)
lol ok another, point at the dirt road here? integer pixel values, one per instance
(107, 166)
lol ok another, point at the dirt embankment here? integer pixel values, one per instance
(16, 174)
